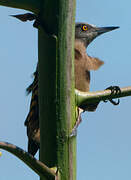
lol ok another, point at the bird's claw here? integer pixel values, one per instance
(114, 90)
(74, 130)
(114, 102)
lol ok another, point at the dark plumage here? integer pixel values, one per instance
(84, 35)
(32, 120)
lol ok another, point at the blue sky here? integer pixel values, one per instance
(103, 140)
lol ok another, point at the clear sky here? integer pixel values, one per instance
(104, 137)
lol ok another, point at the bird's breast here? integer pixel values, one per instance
(82, 77)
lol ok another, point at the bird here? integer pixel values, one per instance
(84, 34)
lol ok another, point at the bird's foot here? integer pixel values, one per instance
(79, 119)
(114, 90)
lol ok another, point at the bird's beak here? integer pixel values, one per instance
(101, 30)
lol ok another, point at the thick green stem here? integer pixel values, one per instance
(65, 90)
(30, 5)
(56, 90)
(56, 81)
(83, 98)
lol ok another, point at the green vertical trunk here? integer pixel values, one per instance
(56, 86)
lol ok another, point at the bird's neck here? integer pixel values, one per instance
(90, 63)
(84, 41)
(80, 49)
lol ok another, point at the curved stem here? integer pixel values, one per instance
(83, 98)
(41, 169)
(30, 5)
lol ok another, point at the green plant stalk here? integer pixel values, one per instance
(83, 98)
(30, 5)
(37, 166)
(56, 87)
(65, 90)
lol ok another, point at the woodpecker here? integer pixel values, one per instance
(83, 64)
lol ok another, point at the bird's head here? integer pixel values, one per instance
(86, 32)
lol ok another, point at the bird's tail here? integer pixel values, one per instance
(32, 120)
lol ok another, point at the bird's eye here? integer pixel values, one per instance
(84, 28)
